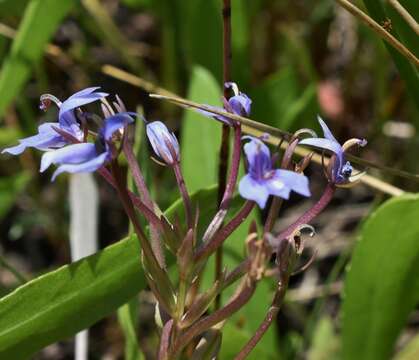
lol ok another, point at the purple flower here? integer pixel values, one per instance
(87, 157)
(262, 181)
(238, 104)
(48, 137)
(164, 143)
(341, 170)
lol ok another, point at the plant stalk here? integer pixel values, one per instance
(138, 177)
(311, 213)
(225, 145)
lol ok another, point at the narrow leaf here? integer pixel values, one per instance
(408, 71)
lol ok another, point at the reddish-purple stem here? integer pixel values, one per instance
(234, 171)
(207, 249)
(142, 189)
(205, 323)
(150, 216)
(311, 213)
(267, 321)
(184, 193)
(129, 209)
(165, 341)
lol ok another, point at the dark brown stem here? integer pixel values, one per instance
(311, 213)
(227, 53)
(225, 144)
(207, 249)
(138, 177)
(205, 323)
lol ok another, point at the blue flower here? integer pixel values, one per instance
(87, 157)
(341, 170)
(48, 137)
(262, 181)
(238, 104)
(164, 143)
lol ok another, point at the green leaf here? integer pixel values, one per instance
(62, 302)
(12, 7)
(203, 34)
(240, 23)
(10, 187)
(138, 3)
(382, 285)
(326, 343)
(40, 20)
(200, 139)
(128, 319)
(408, 71)
(280, 100)
(234, 339)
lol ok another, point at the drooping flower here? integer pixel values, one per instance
(262, 180)
(48, 137)
(87, 157)
(239, 104)
(164, 143)
(341, 170)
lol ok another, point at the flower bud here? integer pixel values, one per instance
(164, 143)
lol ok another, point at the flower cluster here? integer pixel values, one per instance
(76, 143)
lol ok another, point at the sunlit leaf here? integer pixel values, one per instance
(200, 136)
(382, 285)
(60, 303)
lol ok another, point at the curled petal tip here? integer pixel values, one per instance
(307, 131)
(303, 228)
(352, 180)
(353, 142)
(233, 86)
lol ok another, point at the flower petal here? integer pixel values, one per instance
(88, 166)
(322, 143)
(296, 182)
(114, 123)
(326, 131)
(253, 190)
(258, 156)
(68, 122)
(159, 137)
(72, 154)
(81, 98)
(240, 104)
(15, 150)
(277, 187)
(45, 139)
(221, 118)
